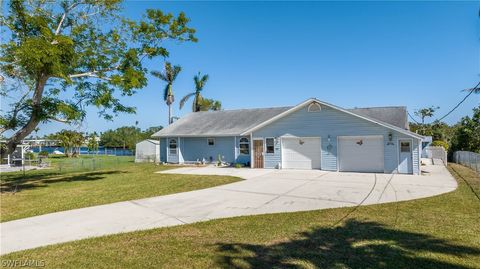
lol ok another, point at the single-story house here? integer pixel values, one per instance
(311, 135)
(147, 151)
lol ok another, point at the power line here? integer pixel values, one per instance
(465, 98)
(411, 117)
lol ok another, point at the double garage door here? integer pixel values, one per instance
(355, 153)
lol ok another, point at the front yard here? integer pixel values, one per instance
(436, 232)
(71, 184)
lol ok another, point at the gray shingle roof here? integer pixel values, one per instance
(394, 115)
(219, 123)
(235, 122)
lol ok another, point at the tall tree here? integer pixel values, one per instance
(199, 81)
(92, 142)
(467, 133)
(169, 74)
(427, 112)
(63, 56)
(147, 134)
(70, 141)
(210, 104)
(124, 137)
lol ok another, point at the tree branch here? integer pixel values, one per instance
(64, 16)
(60, 120)
(93, 73)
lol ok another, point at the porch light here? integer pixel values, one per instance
(390, 137)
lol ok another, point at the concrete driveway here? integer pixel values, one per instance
(263, 191)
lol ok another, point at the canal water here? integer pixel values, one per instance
(84, 150)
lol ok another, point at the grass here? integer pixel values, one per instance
(71, 184)
(435, 232)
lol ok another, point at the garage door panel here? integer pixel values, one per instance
(361, 153)
(301, 153)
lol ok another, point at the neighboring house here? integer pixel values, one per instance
(147, 151)
(311, 135)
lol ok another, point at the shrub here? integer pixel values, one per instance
(29, 156)
(43, 153)
(238, 165)
(440, 143)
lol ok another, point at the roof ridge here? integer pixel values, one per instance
(242, 109)
(378, 107)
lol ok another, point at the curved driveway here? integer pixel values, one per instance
(263, 191)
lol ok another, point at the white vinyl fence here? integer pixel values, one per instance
(467, 158)
(437, 153)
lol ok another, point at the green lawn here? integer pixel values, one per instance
(436, 232)
(71, 184)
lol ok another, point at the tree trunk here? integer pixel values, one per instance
(169, 114)
(32, 122)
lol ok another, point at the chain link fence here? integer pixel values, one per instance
(89, 164)
(467, 158)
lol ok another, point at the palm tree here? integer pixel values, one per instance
(168, 75)
(210, 104)
(197, 97)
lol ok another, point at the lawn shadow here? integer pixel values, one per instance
(40, 181)
(356, 244)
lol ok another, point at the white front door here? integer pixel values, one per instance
(405, 157)
(360, 154)
(301, 153)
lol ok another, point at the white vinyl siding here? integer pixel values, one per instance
(329, 124)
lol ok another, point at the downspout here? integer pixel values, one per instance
(251, 151)
(235, 149)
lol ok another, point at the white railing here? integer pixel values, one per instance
(467, 158)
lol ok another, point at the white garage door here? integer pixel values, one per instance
(301, 153)
(360, 153)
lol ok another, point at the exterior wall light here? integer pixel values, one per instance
(390, 138)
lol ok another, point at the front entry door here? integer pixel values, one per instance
(405, 157)
(258, 153)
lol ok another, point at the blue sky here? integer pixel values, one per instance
(351, 54)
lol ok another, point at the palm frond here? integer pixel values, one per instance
(474, 90)
(217, 105)
(205, 79)
(200, 81)
(194, 104)
(185, 99)
(168, 71)
(159, 75)
(176, 69)
(196, 81)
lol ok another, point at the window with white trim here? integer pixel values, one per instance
(270, 145)
(244, 145)
(211, 141)
(314, 107)
(172, 145)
